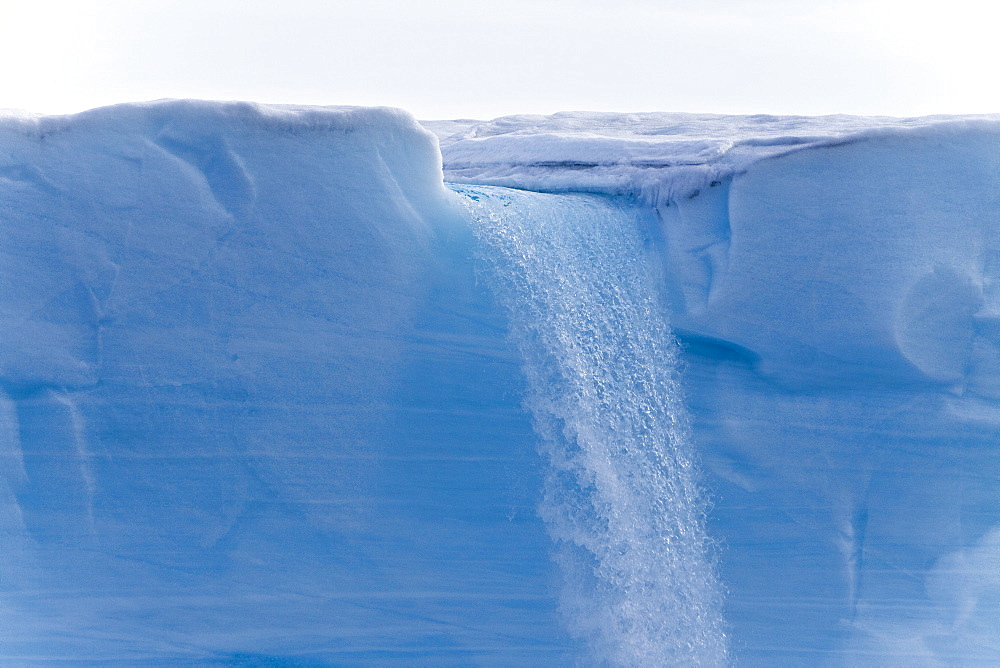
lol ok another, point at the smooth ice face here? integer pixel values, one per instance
(254, 405)
(857, 284)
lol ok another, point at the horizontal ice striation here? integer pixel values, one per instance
(622, 500)
(840, 305)
(254, 407)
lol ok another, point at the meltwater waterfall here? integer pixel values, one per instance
(622, 498)
(271, 395)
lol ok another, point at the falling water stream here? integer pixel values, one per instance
(622, 500)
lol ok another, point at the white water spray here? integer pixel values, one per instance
(622, 499)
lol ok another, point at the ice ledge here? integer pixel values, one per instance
(657, 156)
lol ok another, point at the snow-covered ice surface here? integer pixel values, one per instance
(271, 394)
(658, 156)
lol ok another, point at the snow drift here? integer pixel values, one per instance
(270, 393)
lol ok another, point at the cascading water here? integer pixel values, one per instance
(622, 499)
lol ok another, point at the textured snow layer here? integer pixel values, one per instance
(660, 156)
(264, 396)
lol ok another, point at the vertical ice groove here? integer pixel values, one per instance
(622, 500)
(82, 454)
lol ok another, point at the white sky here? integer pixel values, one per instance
(482, 58)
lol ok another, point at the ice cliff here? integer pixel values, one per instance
(636, 389)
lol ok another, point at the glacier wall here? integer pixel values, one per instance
(270, 394)
(255, 407)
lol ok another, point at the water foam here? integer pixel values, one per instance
(622, 498)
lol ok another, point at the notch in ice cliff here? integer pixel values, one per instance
(822, 244)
